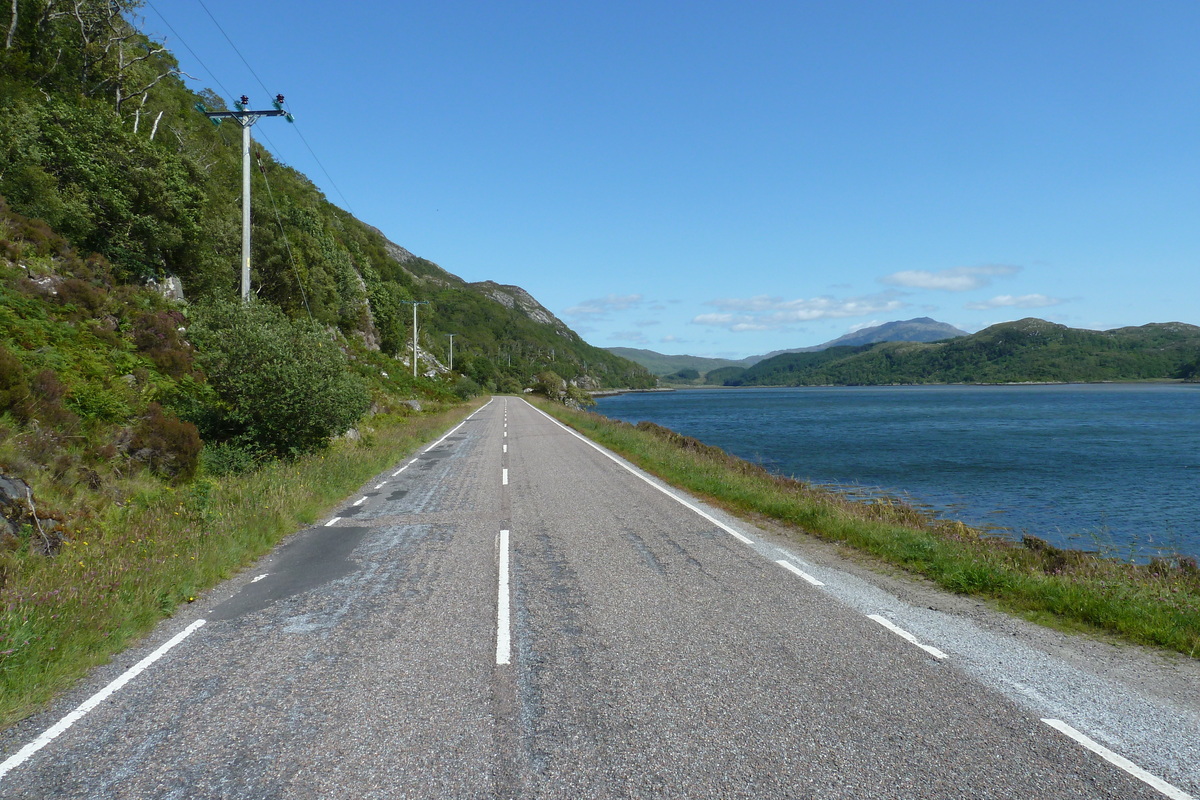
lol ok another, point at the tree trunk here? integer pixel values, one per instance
(12, 27)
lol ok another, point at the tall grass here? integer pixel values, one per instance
(136, 563)
(1156, 604)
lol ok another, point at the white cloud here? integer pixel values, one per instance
(1010, 301)
(954, 279)
(604, 305)
(763, 313)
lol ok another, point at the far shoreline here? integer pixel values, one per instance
(710, 387)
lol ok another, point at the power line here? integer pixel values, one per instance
(275, 148)
(183, 41)
(327, 175)
(286, 243)
(234, 46)
(332, 182)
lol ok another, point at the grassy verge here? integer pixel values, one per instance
(1156, 604)
(161, 548)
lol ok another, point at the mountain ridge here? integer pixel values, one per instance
(919, 329)
(1028, 350)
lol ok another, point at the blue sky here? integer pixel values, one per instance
(726, 179)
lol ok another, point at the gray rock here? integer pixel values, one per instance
(170, 287)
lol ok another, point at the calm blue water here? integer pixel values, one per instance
(1114, 468)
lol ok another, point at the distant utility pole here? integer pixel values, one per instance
(245, 118)
(452, 335)
(414, 304)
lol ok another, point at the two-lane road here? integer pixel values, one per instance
(515, 613)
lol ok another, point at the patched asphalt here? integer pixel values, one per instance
(653, 655)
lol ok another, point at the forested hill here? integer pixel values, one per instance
(101, 140)
(1028, 350)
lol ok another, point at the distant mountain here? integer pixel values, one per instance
(1028, 350)
(922, 329)
(661, 364)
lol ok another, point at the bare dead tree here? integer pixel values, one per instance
(12, 27)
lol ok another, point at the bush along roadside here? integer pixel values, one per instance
(133, 565)
(1155, 604)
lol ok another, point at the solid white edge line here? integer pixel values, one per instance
(99, 697)
(335, 519)
(503, 636)
(793, 568)
(1118, 761)
(906, 636)
(504, 477)
(447, 435)
(616, 460)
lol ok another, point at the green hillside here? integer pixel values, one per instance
(1029, 350)
(662, 364)
(150, 446)
(101, 140)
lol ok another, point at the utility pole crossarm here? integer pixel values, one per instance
(242, 116)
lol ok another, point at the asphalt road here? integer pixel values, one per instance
(514, 613)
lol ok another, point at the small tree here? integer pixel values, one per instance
(550, 384)
(284, 387)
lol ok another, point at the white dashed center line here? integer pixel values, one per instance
(503, 624)
(906, 636)
(1119, 761)
(793, 568)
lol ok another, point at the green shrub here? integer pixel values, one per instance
(284, 387)
(95, 402)
(224, 458)
(14, 391)
(465, 388)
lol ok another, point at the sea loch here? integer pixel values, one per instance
(1107, 467)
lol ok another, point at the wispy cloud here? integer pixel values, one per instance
(1011, 301)
(954, 279)
(764, 313)
(604, 305)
